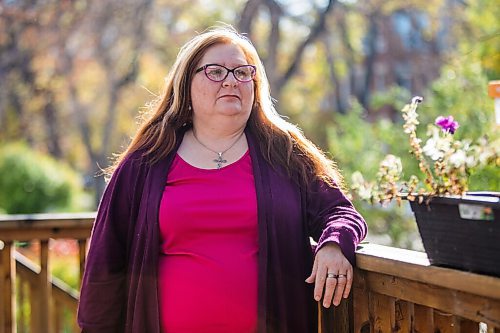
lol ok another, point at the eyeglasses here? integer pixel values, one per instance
(218, 73)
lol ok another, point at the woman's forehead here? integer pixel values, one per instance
(227, 53)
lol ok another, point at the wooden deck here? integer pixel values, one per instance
(394, 290)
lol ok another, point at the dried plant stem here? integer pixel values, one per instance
(415, 144)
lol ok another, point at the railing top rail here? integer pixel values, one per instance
(46, 216)
(415, 266)
(45, 226)
(46, 220)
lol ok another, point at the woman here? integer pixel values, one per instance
(205, 223)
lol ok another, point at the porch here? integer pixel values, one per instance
(394, 290)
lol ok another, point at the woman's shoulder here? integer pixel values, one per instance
(132, 164)
(138, 156)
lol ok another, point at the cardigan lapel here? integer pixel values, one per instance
(156, 181)
(263, 190)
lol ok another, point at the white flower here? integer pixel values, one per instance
(458, 158)
(365, 193)
(430, 149)
(363, 189)
(392, 164)
(443, 144)
(436, 146)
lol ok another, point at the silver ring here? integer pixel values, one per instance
(331, 275)
(342, 275)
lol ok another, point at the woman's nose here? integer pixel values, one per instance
(230, 80)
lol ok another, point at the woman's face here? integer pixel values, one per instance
(228, 98)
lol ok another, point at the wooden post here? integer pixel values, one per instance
(35, 305)
(21, 285)
(45, 289)
(326, 319)
(342, 316)
(360, 301)
(7, 288)
(468, 326)
(404, 316)
(424, 319)
(336, 319)
(82, 252)
(382, 311)
(57, 316)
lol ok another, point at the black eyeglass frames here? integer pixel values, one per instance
(218, 73)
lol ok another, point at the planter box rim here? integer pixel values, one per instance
(483, 198)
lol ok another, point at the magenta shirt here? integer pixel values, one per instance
(207, 267)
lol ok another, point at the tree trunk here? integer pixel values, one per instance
(270, 62)
(52, 126)
(364, 98)
(349, 59)
(336, 91)
(316, 31)
(247, 16)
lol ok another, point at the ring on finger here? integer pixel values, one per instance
(331, 276)
(342, 275)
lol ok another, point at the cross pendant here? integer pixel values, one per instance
(219, 161)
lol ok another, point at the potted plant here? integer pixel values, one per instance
(459, 229)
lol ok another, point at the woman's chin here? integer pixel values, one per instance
(232, 111)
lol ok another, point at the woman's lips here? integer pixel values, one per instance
(230, 96)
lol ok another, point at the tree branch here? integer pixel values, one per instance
(270, 62)
(370, 59)
(313, 35)
(247, 15)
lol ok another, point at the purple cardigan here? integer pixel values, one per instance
(119, 288)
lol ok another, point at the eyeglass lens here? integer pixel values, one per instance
(218, 73)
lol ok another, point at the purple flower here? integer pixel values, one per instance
(447, 124)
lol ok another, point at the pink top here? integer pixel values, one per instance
(207, 269)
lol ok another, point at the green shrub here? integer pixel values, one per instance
(31, 182)
(358, 144)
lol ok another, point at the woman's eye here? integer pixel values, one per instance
(241, 72)
(215, 72)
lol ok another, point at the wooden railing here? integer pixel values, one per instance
(42, 299)
(394, 290)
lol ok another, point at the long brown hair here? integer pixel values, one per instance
(281, 142)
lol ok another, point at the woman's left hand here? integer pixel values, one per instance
(332, 273)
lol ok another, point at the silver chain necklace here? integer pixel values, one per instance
(219, 160)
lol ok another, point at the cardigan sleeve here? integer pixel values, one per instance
(333, 218)
(102, 297)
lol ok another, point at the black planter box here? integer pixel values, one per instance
(461, 232)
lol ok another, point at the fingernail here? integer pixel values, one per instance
(316, 298)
